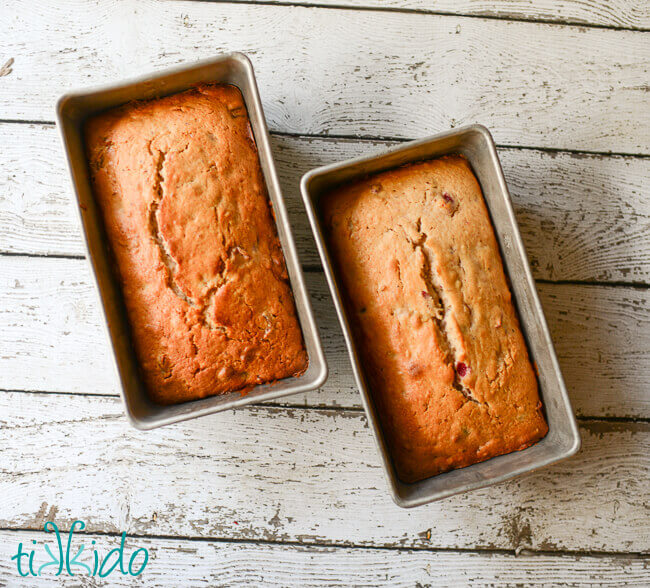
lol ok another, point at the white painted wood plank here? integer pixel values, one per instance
(51, 338)
(192, 563)
(601, 335)
(363, 73)
(37, 204)
(308, 475)
(610, 13)
(583, 217)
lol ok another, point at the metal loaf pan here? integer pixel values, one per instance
(563, 439)
(72, 111)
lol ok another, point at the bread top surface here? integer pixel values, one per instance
(433, 318)
(187, 214)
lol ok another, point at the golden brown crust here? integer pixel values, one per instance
(430, 305)
(186, 212)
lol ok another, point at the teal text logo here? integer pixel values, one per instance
(62, 560)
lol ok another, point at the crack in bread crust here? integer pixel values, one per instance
(436, 289)
(171, 266)
(441, 309)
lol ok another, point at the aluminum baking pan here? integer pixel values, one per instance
(72, 110)
(563, 438)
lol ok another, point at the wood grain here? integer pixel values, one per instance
(583, 217)
(236, 487)
(51, 339)
(326, 71)
(289, 474)
(192, 563)
(633, 14)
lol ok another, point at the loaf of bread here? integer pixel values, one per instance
(187, 215)
(430, 306)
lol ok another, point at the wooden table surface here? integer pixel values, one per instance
(292, 492)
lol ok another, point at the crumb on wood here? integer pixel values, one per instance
(6, 69)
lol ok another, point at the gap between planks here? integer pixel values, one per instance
(387, 139)
(391, 139)
(397, 9)
(615, 284)
(626, 423)
(344, 546)
(236, 564)
(316, 269)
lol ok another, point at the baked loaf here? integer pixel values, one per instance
(187, 215)
(428, 299)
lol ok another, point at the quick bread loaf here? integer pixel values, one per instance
(187, 215)
(433, 319)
